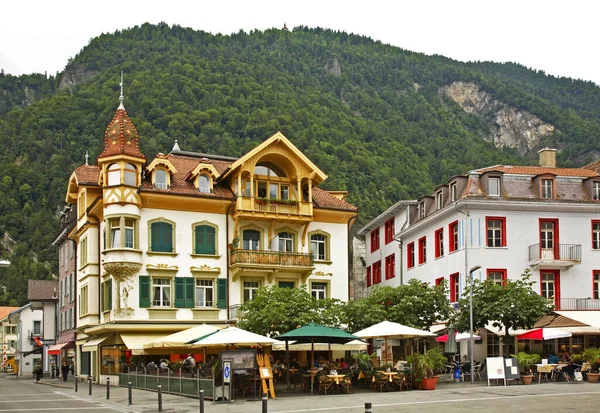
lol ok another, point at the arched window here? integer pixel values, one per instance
(130, 175)
(160, 179)
(286, 242)
(320, 245)
(268, 169)
(114, 175)
(204, 184)
(251, 239)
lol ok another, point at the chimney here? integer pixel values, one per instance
(548, 157)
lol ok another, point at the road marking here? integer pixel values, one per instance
(97, 402)
(37, 400)
(469, 400)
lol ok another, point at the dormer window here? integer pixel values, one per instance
(160, 179)
(547, 189)
(494, 186)
(114, 175)
(204, 184)
(453, 192)
(130, 175)
(596, 191)
(439, 200)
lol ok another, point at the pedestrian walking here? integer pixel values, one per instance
(37, 371)
(64, 370)
(53, 370)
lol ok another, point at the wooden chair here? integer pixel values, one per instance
(367, 378)
(380, 381)
(400, 381)
(346, 383)
(325, 383)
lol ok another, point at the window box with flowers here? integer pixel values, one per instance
(278, 201)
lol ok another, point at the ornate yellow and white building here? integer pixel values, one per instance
(187, 237)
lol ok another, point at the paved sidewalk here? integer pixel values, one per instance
(450, 397)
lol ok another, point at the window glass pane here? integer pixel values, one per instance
(251, 239)
(285, 192)
(204, 184)
(161, 296)
(317, 245)
(262, 190)
(273, 190)
(114, 175)
(285, 284)
(160, 179)
(494, 186)
(204, 293)
(130, 175)
(285, 242)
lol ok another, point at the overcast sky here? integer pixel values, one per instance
(560, 38)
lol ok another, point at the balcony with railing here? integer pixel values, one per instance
(270, 261)
(265, 208)
(580, 304)
(565, 256)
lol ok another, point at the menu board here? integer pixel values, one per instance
(240, 359)
(500, 368)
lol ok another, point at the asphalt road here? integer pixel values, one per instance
(24, 395)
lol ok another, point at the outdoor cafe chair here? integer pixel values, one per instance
(400, 381)
(380, 381)
(366, 377)
(346, 383)
(325, 383)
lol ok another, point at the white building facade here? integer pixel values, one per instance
(186, 238)
(496, 222)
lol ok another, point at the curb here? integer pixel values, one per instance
(54, 384)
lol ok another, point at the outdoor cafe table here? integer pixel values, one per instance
(390, 374)
(544, 369)
(336, 377)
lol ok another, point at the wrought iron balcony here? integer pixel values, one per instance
(579, 304)
(565, 256)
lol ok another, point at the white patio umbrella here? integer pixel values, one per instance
(179, 339)
(231, 336)
(390, 330)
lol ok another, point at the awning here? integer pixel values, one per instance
(354, 345)
(55, 349)
(136, 342)
(92, 344)
(589, 318)
(437, 327)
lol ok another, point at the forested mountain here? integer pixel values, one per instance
(371, 116)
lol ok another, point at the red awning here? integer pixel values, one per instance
(55, 349)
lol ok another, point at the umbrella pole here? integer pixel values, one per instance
(312, 363)
(287, 367)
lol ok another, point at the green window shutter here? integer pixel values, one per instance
(144, 291)
(179, 292)
(162, 237)
(205, 239)
(189, 292)
(221, 293)
(101, 297)
(109, 288)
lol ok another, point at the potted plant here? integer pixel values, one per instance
(423, 366)
(592, 356)
(525, 361)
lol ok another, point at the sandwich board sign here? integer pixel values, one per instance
(500, 368)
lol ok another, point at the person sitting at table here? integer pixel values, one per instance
(553, 358)
(343, 364)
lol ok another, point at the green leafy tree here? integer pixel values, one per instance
(416, 304)
(274, 311)
(512, 305)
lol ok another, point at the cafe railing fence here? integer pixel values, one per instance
(177, 382)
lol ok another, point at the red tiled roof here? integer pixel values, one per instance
(5, 311)
(121, 136)
(539, 170)
(87, 175)
(594, 166)
(42, 290)
(323, 199)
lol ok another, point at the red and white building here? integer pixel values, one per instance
(496, 222)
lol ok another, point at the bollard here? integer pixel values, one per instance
(90, 382)
(108, 388)
(130, 393)
(201, 396)
(265, 398)
(368, 408)
(159, 388)
(76, 383)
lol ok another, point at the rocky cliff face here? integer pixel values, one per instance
(74, 75)
(510, 127)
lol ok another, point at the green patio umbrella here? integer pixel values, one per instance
(314, 333)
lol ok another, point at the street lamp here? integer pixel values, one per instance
(471, 271)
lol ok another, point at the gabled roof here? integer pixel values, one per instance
(279, 137)
(42, 290)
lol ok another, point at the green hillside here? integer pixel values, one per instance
(369, 115)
